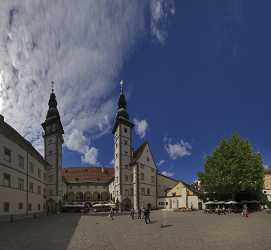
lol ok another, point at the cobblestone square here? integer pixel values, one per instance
(168, 230)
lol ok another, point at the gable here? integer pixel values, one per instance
(177, 190)
(146, 157)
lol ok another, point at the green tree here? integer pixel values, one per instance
(233, 170)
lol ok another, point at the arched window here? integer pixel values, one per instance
(126, 192)
(79, 196)
(96, 196)
(87, 196)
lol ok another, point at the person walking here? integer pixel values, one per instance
(147, 216)
(245, 211)
(111, 213)
(139, 213)
(132, 213)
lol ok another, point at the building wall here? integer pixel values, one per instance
(179, 197)
(267, 185)
(87, 191)
(163, 184)
(53, 155)
(122, 157)
(146, 179)
(13, 194)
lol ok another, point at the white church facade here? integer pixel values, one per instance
(32, 183)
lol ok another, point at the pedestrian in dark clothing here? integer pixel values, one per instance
(147, 216)
(132, 213)
(139, 213)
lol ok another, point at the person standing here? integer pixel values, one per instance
(111, 213)
(139, 213)
(147, 216)
(132, 213)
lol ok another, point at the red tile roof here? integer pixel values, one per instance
(88, 174)
(267, 171)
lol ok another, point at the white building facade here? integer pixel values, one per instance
(22, 174)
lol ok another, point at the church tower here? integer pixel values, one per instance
(53, 140)
(122, 132)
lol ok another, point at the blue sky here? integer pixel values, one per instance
(195, 72)
(210, 79)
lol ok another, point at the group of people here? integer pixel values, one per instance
(146, 214)
(144, 211)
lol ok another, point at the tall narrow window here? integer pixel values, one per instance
(20, 205)
(39, 173)
(21, 184)
(7, 154)
(31, 187)
(21, 162)
(7, 180)
(6, 207)
(31, 168)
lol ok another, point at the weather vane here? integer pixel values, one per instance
(52, 85)
(121, 86)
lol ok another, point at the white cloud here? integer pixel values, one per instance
(112, 162)
(265, 166)
(161, 162)
(76, 141)
(91, 156)
(161, 10)
(169, 174)
(178, 150)
(82, 48)
(141, 127)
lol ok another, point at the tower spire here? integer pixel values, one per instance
(52, 86)
(122, 113)
(121, 86)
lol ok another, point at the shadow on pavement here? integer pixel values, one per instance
(53, 232)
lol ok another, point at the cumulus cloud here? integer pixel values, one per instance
(169, 174)
(161, 162)
(76, 141)
(177, 150)
(82, 48)
(141, 127)
(161, 10)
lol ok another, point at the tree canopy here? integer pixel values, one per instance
(233, 169)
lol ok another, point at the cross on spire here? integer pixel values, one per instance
(121, 86)
(52, 86)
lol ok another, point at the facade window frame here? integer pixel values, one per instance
(6, 180)
(7, 154)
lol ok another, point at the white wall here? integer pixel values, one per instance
(12, 194)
